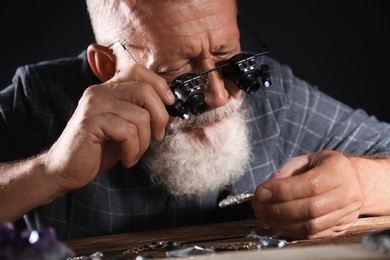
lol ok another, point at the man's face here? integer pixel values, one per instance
(202, 154)
(177, 37)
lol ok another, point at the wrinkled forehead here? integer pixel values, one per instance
(177, 25)
(173, 11)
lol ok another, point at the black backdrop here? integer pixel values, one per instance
(340, 46)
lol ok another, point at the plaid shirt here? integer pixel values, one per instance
(289, 118)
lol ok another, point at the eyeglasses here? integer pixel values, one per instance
(201, 74)
(241, 69)
(124, 48)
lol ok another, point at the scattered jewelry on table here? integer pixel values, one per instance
(236, 199)
(175, 249)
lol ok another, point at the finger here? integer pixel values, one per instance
(336, 230)
(139, 94)
(139, 73)
(305, 208)
(333, 224)
(97, 104)
(113, 128)
(314, 182)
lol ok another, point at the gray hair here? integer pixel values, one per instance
(113, 20)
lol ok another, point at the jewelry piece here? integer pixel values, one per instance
(156, 245)
(94, 256)
(184, 251)
(267, 241)
(270, 242)
(236, 246)
(236, 199)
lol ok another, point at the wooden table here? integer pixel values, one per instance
(234, 233)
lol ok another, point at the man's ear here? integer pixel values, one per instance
(102, 61)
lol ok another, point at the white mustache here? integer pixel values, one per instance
(208, 117)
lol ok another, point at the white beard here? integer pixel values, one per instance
(192, 163)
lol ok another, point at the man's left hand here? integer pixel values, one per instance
(311, 196)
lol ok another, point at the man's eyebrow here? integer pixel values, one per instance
(168, 65)
(221, 47)
(227, 47)
(172, 63)
(164, 68)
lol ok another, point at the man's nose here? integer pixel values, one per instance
(216, 95)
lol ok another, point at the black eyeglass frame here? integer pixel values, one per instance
(241, 69)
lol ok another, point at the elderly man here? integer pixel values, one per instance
(89, 148)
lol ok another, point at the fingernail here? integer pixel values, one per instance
(170, 95)
(162, 135)
(264, 194)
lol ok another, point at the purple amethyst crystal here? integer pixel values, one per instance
(31, 244)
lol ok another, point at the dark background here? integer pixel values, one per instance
(340, 46)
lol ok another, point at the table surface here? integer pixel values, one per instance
(221, 235)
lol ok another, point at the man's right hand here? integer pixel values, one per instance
(114, 121)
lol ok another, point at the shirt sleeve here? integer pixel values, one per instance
(36, 107)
